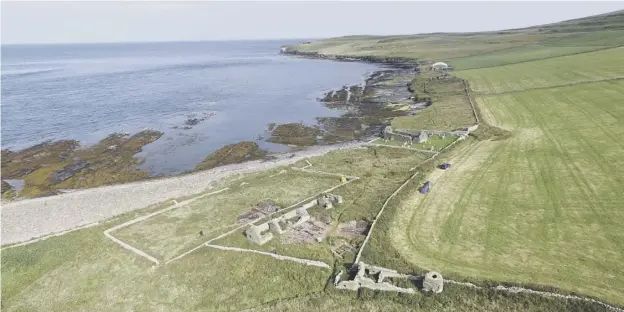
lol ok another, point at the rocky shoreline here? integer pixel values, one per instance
(52, 168)
(366, 108)
(396, 61)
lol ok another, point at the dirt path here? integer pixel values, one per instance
(28, 219)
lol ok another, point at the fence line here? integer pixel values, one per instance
(474, 111)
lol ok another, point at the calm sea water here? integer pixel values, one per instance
(86, 92)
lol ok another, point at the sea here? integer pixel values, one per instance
(202, 95)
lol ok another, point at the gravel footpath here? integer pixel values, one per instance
(32, 218)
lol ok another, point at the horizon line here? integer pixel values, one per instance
(155, 41)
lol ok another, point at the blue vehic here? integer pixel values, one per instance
(425, 188)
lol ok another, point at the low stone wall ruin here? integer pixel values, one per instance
(374, 277)
(262, 233)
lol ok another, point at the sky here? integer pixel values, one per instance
(141, 21)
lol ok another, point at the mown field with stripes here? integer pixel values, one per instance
(558, 71)
(544, 206)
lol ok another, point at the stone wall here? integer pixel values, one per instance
(261, 233)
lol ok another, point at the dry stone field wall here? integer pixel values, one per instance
(291, 210)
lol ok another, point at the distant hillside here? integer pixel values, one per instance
(607, 21)
(566, 37)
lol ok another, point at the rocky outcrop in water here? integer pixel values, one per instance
(233, 154)
(50, 166)
(68, 171)
(295, 134)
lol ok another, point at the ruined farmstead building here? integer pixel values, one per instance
(262, 233)
(403, 135)
(327, 201)
(422, 137)
(259, 234)
(392, 135)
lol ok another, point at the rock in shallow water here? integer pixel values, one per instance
(232, 154)
(68, 172)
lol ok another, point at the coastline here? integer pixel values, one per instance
(361, 119)
(29, 219)
(394, 61)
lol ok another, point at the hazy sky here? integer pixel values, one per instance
(108, 21)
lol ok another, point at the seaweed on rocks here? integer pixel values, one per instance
(233, 154)
(295, 134)
(50, 166)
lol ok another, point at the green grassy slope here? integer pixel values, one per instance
(473, 50)
(169, 234)
(599, 65)
(84, 271)
(573, 44)
(541, 207)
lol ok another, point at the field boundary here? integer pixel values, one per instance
(399, 147)
(291, 207)
(516, 289)
(508, 289)
(474, 110)
(541, 43)
(51, 235)
(554, 86)
(385, 204)
(137, 251)
(315, 263)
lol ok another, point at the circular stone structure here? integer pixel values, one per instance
(434, 282)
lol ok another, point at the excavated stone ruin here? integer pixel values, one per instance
(378, 278)
(352, 228)
(259, 211)
(296, 221)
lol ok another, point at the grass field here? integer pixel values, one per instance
(85, 271)
(106, 277)
(541, 207)
(534, 197)
(456, 299)
(169, 234)
(573, 44)
(599, 65)
(433, 46)
(573, 36)
(450, 109)
(382, 170)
